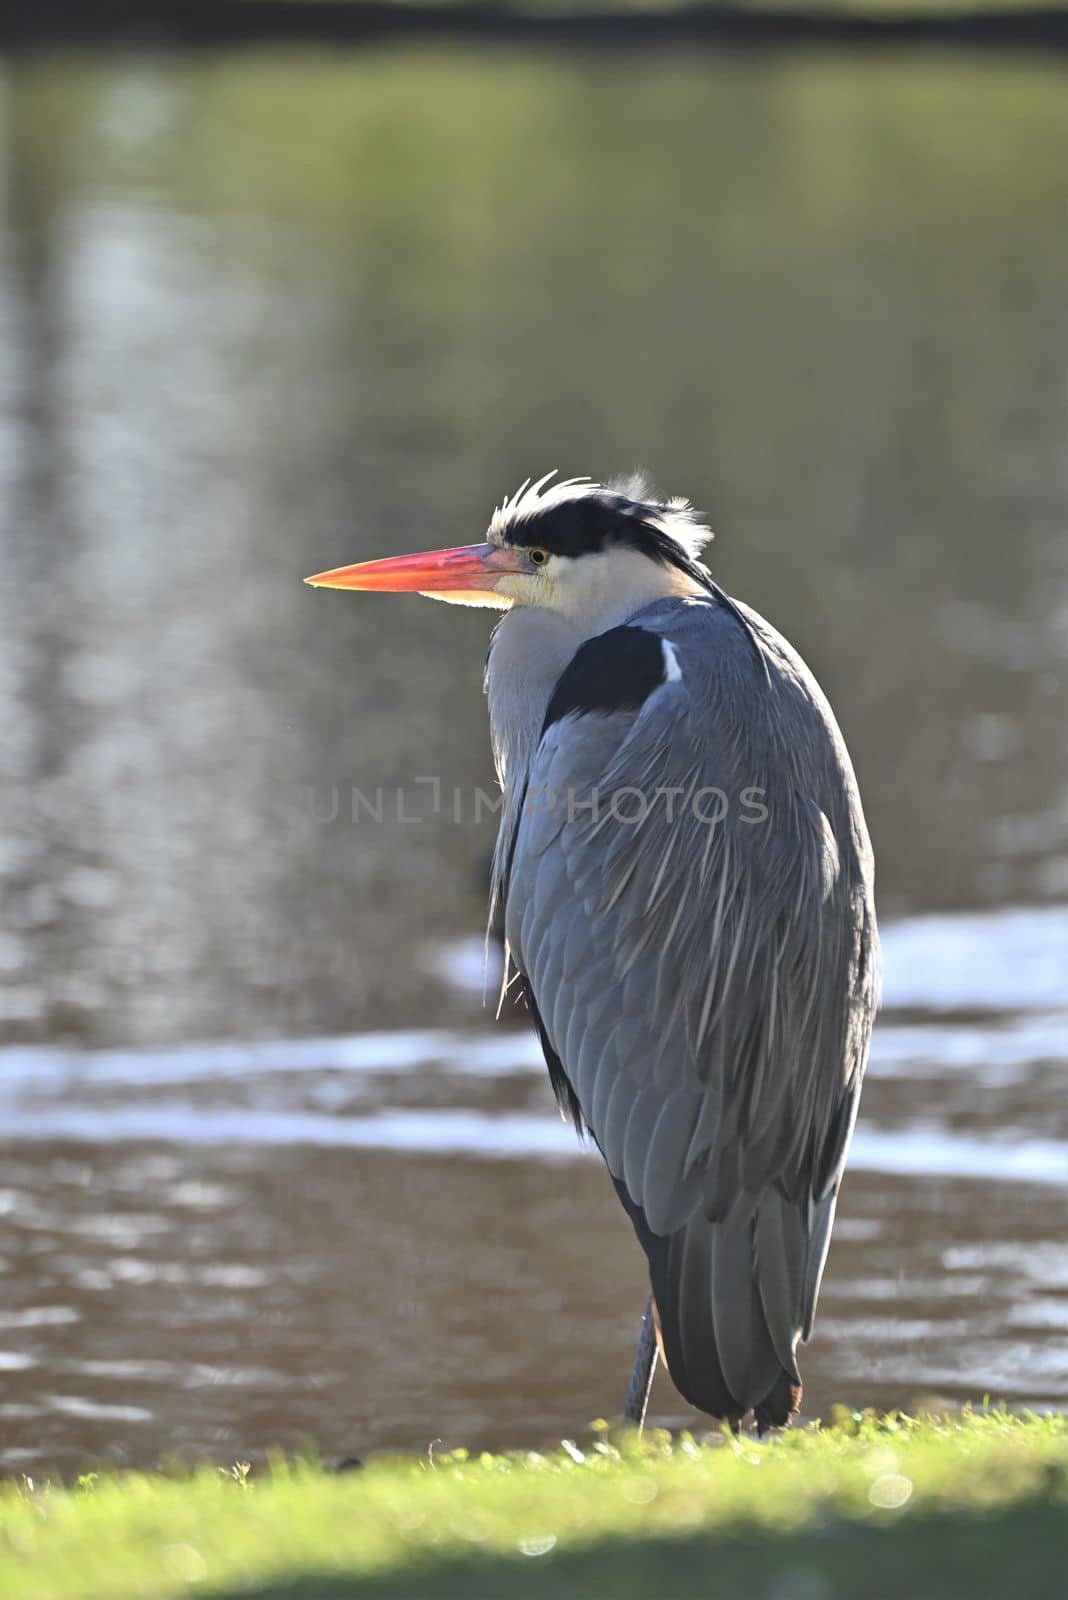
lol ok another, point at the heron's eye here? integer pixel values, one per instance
(538, 557)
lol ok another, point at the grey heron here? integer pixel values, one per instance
(687, 887)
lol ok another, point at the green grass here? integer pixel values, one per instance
(973, 1506)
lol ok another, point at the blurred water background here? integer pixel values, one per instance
(270, 1172)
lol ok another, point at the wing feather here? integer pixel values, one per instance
(780, 1251)
(667, 1198)
(746, 1352)
(617, 1115)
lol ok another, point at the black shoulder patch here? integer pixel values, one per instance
(614, 671)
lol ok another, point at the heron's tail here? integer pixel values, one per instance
(730, 1301)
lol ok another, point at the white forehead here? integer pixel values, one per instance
(675, 517)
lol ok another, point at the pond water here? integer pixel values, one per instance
(386, 1238)
(265, 312)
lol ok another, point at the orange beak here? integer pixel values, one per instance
(470, 569)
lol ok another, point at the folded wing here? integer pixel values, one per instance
(689, 902)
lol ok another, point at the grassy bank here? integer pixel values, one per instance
(969, 1507)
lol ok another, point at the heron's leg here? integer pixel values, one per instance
(641, 1377)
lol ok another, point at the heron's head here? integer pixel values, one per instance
(576, 547)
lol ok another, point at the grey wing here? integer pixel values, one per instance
(689, 902)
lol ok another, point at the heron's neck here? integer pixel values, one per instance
(530, 649)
